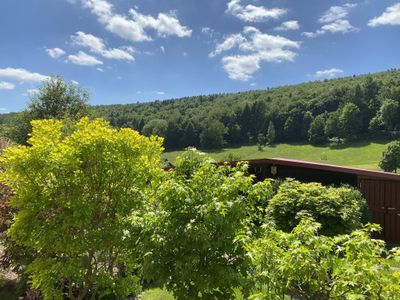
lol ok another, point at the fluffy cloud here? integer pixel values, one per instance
(96, 45)
(328, 73)
(241, 67)
(4, 85)
(133, 29)
(230, 42)
(338, 26)
(252, 13)
(55, 52)
(21, 75)
(335, 13)
(334, 20)
(390, 17)
(84, 59)
(288, 25)
(255, 47)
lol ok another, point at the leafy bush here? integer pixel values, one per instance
(306, 265)
(338, 210)
(78, 203)
(391, 157)
(199, 210)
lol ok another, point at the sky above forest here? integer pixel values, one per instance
(128, 51)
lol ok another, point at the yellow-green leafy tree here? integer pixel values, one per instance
(78, 201)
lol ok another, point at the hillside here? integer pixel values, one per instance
(348, 108)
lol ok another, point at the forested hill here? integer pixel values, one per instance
(316, 112)
(345, 108)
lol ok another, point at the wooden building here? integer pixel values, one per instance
(380, 189)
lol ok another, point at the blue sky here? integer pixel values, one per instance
(126, 51)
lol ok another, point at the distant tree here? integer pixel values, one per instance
(390, 114)
(376, 126)
(391, 157)
(155, 127)
(305, 126)
(316, 134)
(271, 133)
(55, 99)
(350, 121)
(212, 135)
(190, 136)
(332, 125)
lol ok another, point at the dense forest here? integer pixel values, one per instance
(319, 112)
(346, 108)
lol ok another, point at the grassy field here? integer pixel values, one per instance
(366, 154)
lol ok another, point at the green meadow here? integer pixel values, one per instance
(362, 154)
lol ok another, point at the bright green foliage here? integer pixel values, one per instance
(199, 210)
(391, 157)
(79, 201)
(306, 265)
(339, 210)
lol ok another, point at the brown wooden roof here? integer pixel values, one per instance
(325, 167)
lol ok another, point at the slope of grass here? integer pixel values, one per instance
(364, 154)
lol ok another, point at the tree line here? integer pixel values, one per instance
(318, 112)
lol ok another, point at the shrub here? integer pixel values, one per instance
(338, 210)
(306, 265)
(78, 202)
(199, 210)
(390, 161)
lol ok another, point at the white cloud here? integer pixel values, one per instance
(334, 20)
(208, 31)
(159, 92)
(255, 47)
(133, 29)
(328, 73)
(97, 45)
(335, 13)
(241, 67)
(343, 26)
(156, 92)
(162, 48)
(100, 70)
(391, 16)
(21, 75)
(164, 24)
(75, 82)
(230, 42)
(4, 85)
(252, 13)
(84, 59)
(55, 52)
(288, 25)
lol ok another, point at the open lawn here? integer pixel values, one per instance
(363, 154)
